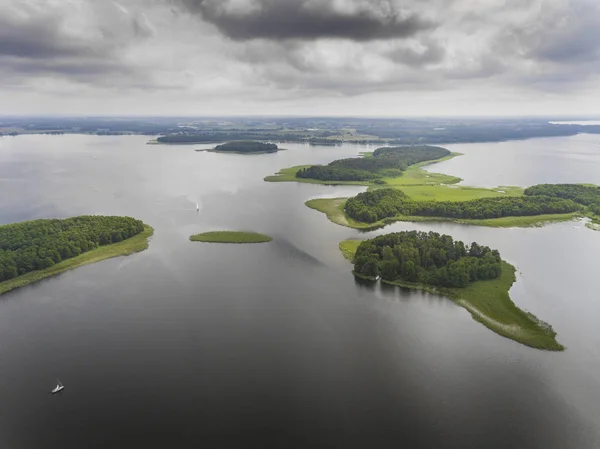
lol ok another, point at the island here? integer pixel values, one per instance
(400, 190)
(473, 276)
(377, 168)
(34, 250)
(230, 237)
(245, 147)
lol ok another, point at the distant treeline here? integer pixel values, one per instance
(248, 146)
(477, 131)
(426, 258)
(215, 136)
(384, 162)
(370, 207)
(35, 245)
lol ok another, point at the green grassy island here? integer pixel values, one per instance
(230, 237)
(474, 277)
(409, 193)
(34, 250)
(246, 147)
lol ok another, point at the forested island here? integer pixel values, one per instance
(246, 147)
(384, 162)
(370, 207)
(33, 250)
(474, 276)
(230, 237)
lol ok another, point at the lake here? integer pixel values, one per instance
(277, 345)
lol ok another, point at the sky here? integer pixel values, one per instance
(300, 57)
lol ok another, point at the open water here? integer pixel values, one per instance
(276, 345)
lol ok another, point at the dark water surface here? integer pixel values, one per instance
(276, 345)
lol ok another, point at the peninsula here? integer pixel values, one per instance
(401, 192)
(230, 237)
(34, 250)
(474, 277)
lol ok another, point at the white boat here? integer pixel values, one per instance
(59, 387)
(197, 207)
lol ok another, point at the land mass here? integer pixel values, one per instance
(474, 277)
(246, 147)
(230, 237)
(417, 195)
(34, 250)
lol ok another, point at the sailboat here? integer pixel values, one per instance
(197, 207)
(59, 387)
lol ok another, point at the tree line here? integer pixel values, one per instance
(586, 195)
(39, 244)
(426, 258)
(370, 207)
(248, 146)
(385, 162)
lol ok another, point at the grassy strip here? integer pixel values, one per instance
(213, 150)
(230, 237)
(489, 303)
(132, 245)
(349, 248)
(334, 209)
(456, 193)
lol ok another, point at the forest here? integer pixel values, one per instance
(586, 195)
(384, 162)
(426, 258)
(39, 244)
(370, 207)
(247, 146)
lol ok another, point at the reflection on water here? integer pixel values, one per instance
(278, 345)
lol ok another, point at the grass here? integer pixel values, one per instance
(348, 248)
(132, 245)
(334, 209)
(457, 193)
(489, 303)
(230, 237)
(414, 175)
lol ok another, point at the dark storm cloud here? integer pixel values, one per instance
(309, 20)
(35, 36)
(40, 41)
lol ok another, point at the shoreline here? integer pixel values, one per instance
(414, 171)
(212, 150)
(333, 208)
(235, 237)
(508, 320)
(135, 244)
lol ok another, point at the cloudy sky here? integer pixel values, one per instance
(304, 57)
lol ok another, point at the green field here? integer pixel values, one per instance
(230, 237)
(132, 245)
(489, 303)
